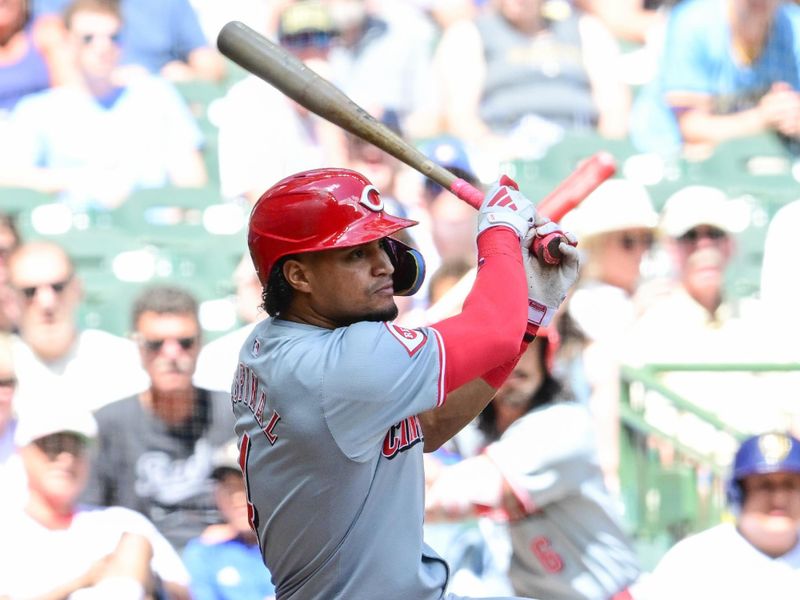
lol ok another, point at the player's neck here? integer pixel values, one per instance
(173, 407)
(304, 314)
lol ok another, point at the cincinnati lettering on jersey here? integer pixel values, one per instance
(402, 436)
(247, 390)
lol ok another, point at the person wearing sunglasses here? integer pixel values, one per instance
(51, 348)
(616, 225)
(156, 447)
(54, 547)
(67, 140)
(697, 319)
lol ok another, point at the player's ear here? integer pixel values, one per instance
(296, 274)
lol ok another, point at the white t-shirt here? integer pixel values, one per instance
(720, 563)
(99, 368)
(44, 559)
(217, 361)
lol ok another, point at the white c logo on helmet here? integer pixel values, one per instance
(371, 198)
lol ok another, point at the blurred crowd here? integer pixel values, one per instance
(118, 469)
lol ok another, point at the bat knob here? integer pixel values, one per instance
(546, 248)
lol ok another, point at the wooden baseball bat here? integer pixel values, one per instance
(258, 55)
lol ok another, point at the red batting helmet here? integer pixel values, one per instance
(322, 209)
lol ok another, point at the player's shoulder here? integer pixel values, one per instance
(385, 337)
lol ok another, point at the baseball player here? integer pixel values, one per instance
(335, 404)
(540, 472)
(758, 556)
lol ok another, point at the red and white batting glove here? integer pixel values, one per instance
(505, 205)
(547, 284)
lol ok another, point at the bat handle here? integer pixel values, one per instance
(467, 192)
(546, 248)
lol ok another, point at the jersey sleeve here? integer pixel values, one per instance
(547, 454)
(379, 375)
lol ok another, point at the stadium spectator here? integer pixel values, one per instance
(263, 135)
(70, 139)
(615, 226)
(758, 555)
(384, 64)
(450, 220)
(566, 538)
(225, 562)
(162, 36)
(9, 240)
(514, 73)
(51, 349)
(30, 60)
(695, 320)
(155, 448)
(729, 70)
(87, 552)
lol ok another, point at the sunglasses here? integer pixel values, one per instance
(694, 235)
(89, 38)
(8, 382)
(630, 242)
(58, 287)
(57, 443)
(155, 345)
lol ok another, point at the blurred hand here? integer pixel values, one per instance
(780, 109)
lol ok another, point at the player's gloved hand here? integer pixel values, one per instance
(548, 284)
(505, 205)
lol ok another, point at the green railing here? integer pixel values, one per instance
(665, 500)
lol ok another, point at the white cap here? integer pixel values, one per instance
(616, 205)
(698, 205)
(225, 458)
(53, 417)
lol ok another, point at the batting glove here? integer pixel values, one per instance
(505, 205)
(548, 284)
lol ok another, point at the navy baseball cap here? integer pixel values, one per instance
(449, 152)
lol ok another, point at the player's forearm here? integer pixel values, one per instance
(460, 408)
(489, 330)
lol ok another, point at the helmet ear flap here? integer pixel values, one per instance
(409, 267)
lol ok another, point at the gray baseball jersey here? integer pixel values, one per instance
(572, 545)
(332, 454)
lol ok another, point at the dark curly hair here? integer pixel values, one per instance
(277, 294)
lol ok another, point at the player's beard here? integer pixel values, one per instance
(387, 314)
